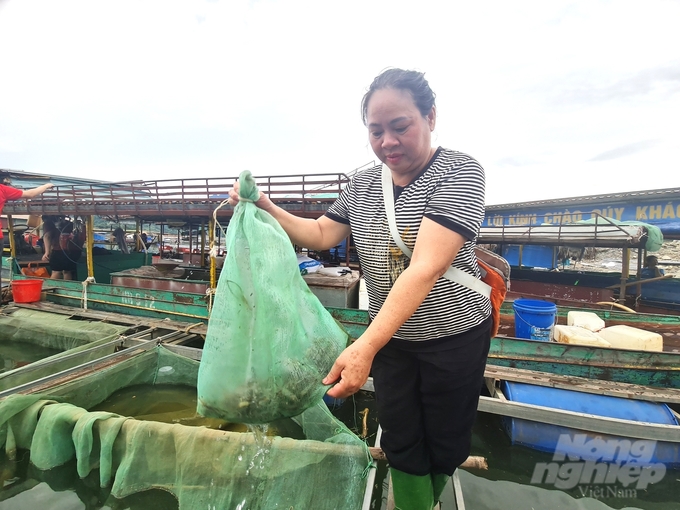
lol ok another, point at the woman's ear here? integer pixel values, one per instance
(432, 118)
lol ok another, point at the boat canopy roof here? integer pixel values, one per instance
(603, 234)
(181, 199)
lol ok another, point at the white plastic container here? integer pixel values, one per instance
(627, 337)
(363, 295)
(578, 335)
(308, 265)
(587, 320)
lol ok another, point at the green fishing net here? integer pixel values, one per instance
(52, 330)
(26, 334)
(270, 341)
(203, 468)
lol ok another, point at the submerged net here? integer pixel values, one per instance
(70, 343)
(203, 468)
(53, 330)
(270, 341)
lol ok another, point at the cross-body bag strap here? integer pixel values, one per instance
(452, 273)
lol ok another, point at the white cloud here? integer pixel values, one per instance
(537, 91)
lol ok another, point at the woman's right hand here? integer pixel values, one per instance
(263, 202)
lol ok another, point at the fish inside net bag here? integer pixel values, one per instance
(270, 341)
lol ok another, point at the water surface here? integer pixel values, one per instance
(18, 354)
(167, 403)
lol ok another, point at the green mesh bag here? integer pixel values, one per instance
(270, 341)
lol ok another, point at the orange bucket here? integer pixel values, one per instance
(26, 291)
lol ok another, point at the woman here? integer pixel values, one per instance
(429, 337)
(7, 192)
(59, 252)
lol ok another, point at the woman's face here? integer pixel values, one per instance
(400, 136)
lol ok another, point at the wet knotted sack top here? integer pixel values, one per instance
(270, 341)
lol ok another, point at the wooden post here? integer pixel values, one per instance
(625, 272)
(12, 244)
(638, 289)
(90, 245)
(472, 462)
(202, 243)
(191, 244)
(213, 268)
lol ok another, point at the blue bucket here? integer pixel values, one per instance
(534, 319)
(332, 402)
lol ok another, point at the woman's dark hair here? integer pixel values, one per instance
(400, 79)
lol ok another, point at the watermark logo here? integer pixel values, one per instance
(600, 467)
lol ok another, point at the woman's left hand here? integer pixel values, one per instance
(350, 371)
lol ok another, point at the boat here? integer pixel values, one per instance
(657, 207)
(197, 206)
(532, 252)
(649, 368)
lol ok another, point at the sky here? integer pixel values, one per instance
(554, 98)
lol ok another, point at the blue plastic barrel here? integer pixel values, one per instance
(545, 437)
(534, 319)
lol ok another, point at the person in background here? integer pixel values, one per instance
(428, 339)
(61, 251)
(7, 193)
(143, 242)
(121, 241)
(651, 270)
(72, 239)
(52, 254)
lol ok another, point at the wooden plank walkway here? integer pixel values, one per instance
(599, 387)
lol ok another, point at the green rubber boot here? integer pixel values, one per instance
(439, 482)
(411, 492)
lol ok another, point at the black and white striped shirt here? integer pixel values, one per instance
(450, 191)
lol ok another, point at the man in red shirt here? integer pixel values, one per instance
(7, 192)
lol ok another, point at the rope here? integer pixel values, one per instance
(209, 292)
(88, 280)
(217, 223)
(190, 326)
(10, 260)
(214, 250)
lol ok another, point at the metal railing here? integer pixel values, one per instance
(305, 195)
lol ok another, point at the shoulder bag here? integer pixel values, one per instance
(494, 269)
